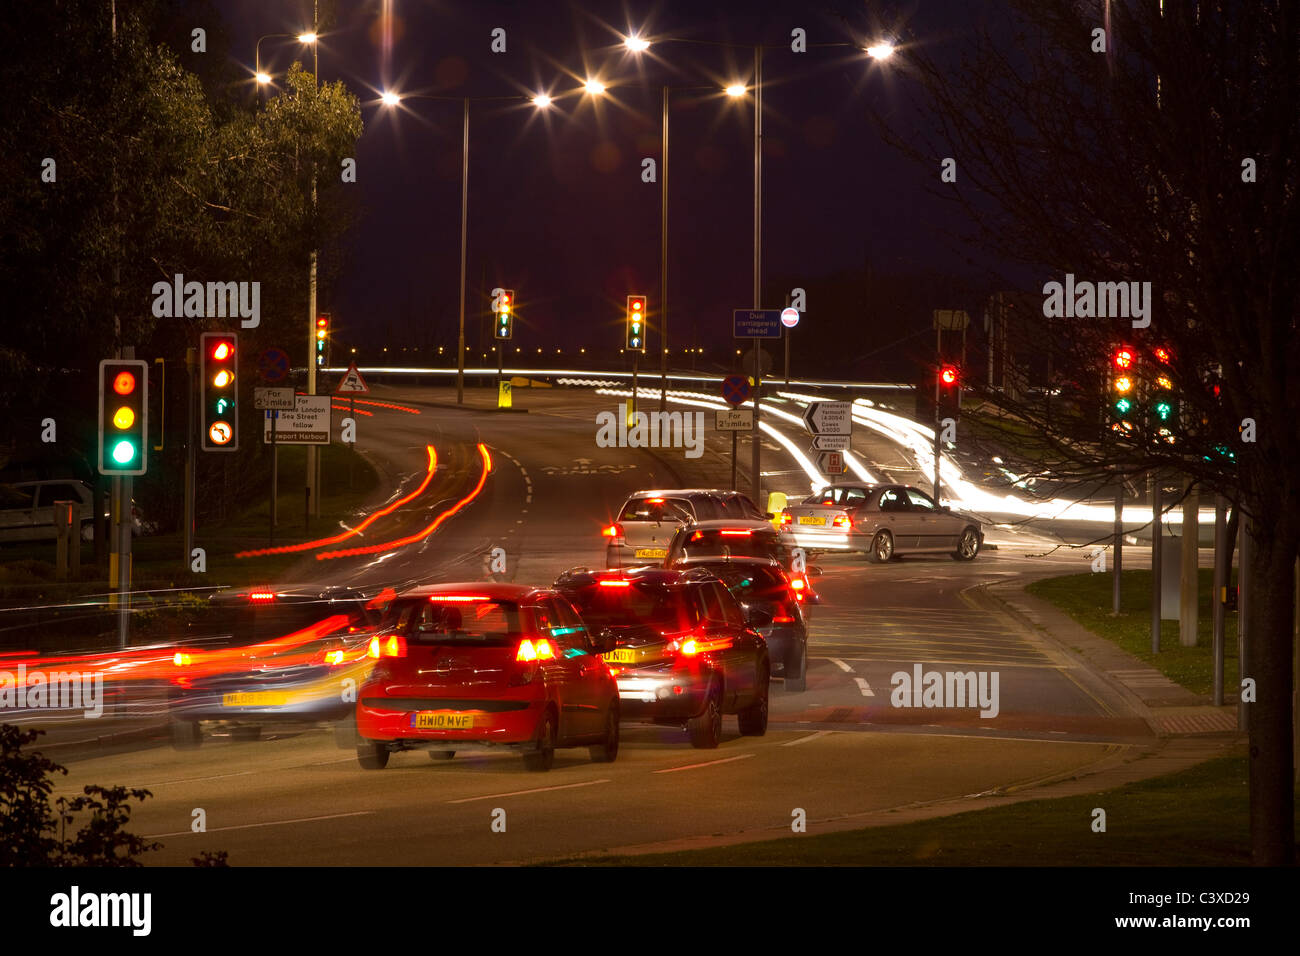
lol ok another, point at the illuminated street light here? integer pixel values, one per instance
(263, 78)
(636, 44)
(594, 87)
(389, 98)
(307, 37)
(541, 101)
(880, 51)
(736, 89)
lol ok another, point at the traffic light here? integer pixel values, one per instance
(123, 416)
(505, 306)
(219, 423)
(1122, 388)
(322, 337)
(636, 323)
(1164, 405)
(949, 391)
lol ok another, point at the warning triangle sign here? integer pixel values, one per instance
(352, 381)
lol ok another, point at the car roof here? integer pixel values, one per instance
(665, 492)
(648, 574)
(493, 590)
(291, 593)
(738, 560)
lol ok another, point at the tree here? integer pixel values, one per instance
(1169, 158)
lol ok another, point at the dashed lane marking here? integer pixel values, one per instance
(865, 687)
(521, 793)
(271, 823)
(842, 666)
(803, 740)
(707, 763)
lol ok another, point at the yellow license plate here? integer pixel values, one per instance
(255, 698)
(809, 519)
(620, 657)
(652, 552)
(442, 721)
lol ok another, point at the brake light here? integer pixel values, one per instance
(782, 618)
(615, 584)
(787, 518)
(333, 657)
(689, 647)
(390, 647)
(459, 598)
(798, 584)
(539, 650)
(842, 521)
(613, 531)
(654, 501)
(181, 659)
(735, 534)
(260, 597)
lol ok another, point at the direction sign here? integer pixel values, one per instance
(734, 419)
(831, 463)
(281, 399)
(756, 323)
(789, 317)
(829, 418)
(273, 365)
(830, 443)
(735, 389)
(352, 381)
(307, 424)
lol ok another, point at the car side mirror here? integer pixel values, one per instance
(758, 617)
(768, 515)
(604, 641)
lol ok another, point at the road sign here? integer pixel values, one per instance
(830, 443)
(756, 323)
(831, 463)
(954, 319)
(734, 419)
(352, 382)
(829, 418)
(789, 318)
(281, 399)
(307, 424)
(735, 389)
(273, 365)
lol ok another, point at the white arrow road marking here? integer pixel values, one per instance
(865, 687)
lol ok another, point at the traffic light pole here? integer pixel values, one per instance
(191, 364)
(1118, 549)
(1157, 556)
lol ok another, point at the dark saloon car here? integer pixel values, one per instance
(684, 652)
(766, 593)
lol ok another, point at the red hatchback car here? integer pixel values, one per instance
(486, 666)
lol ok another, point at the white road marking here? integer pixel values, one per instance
(707, 763)
(273, 823)
(803, 740)
(528, 498)
(520, 793)
(844, 667)
(865, 687)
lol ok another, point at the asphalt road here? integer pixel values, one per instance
(839, 750)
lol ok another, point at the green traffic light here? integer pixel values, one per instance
(1123, 406)
(124, 452)
(1163, 410)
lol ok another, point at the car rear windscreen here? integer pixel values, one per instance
(749, 585)
(656, 509)
(480, 623)
(705, 543)
(648, 605)
(251, 622)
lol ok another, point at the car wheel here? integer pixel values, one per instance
(345, 732)
(441, 754)
(968, 546)
(796, 670)
(706, 729)
(606, 752)
(244, 732)
(753, 719)
(372, 754)
(882, 547)
(186, 734)
(541, 759)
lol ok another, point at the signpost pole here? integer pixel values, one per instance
(733, 461)
(191, 363)
(275, 471)
(754, 441)
(352, 414)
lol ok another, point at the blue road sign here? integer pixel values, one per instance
(735, 389)
(756, 323)
(273, 365)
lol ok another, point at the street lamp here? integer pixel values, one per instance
(262, 77)
(392, 99)
(881, 51)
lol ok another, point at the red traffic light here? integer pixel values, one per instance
(322, 322)
(948, 375)
(222, 351)
(1123, 358)
(124, 383)
(1162, 355)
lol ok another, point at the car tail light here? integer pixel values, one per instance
(615, 584)
(613, 531)
(181, 659)
(735, 534)
(781, 617)
(539, 650)
(842, 521)
(787, 518)
(459, 598)
(334, 657)
(393, 646)
(261, 596)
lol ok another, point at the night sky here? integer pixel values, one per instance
(557, 207)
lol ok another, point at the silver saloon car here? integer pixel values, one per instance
(882, 521)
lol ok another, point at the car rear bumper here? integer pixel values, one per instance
(828, 540)
(781, 640)
(623, 556)
(212, 706)
(498, 721)
(662, 693)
